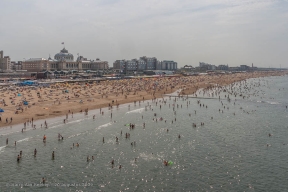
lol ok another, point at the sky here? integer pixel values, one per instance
(233, 32)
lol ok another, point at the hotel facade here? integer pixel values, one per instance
(142, 64)
(63, 61)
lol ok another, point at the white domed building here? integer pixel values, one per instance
(63, 61)
(64, 55)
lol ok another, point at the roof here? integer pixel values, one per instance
(36, 59)
(50, 59)
(64, 53)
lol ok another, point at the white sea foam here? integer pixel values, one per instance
(136, 111)
(273, 102)
(26, 139)
(150, 157)
(269, 102)
(104, 125)
(60, 124)
(74, 135)
(76, 121)
(2, 147)
(53, 127)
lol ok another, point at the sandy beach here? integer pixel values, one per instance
(63, 99)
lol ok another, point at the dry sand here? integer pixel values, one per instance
(58, 99)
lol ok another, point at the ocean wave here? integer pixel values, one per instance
(150, 157)
(76, 121)
(2, 147)
(26, 139)
(61, 124)
(136, 111)
(273, 102)
(104, 125)
(269, 102)
(74, 135)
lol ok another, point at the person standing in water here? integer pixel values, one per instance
(44, 138)
(18, 158)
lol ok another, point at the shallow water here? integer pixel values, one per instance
(228, 153)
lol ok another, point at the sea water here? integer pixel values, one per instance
(232, 151)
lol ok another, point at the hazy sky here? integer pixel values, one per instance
(232, 32)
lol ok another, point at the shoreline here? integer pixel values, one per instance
(60, 100)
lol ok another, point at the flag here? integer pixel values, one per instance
(62, 43)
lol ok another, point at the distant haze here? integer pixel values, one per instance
(233, 32)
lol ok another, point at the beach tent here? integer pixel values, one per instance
(24, 83)
(1, 110)
(19, 94)
(25, 102)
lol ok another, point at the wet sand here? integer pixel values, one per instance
(65, 99)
